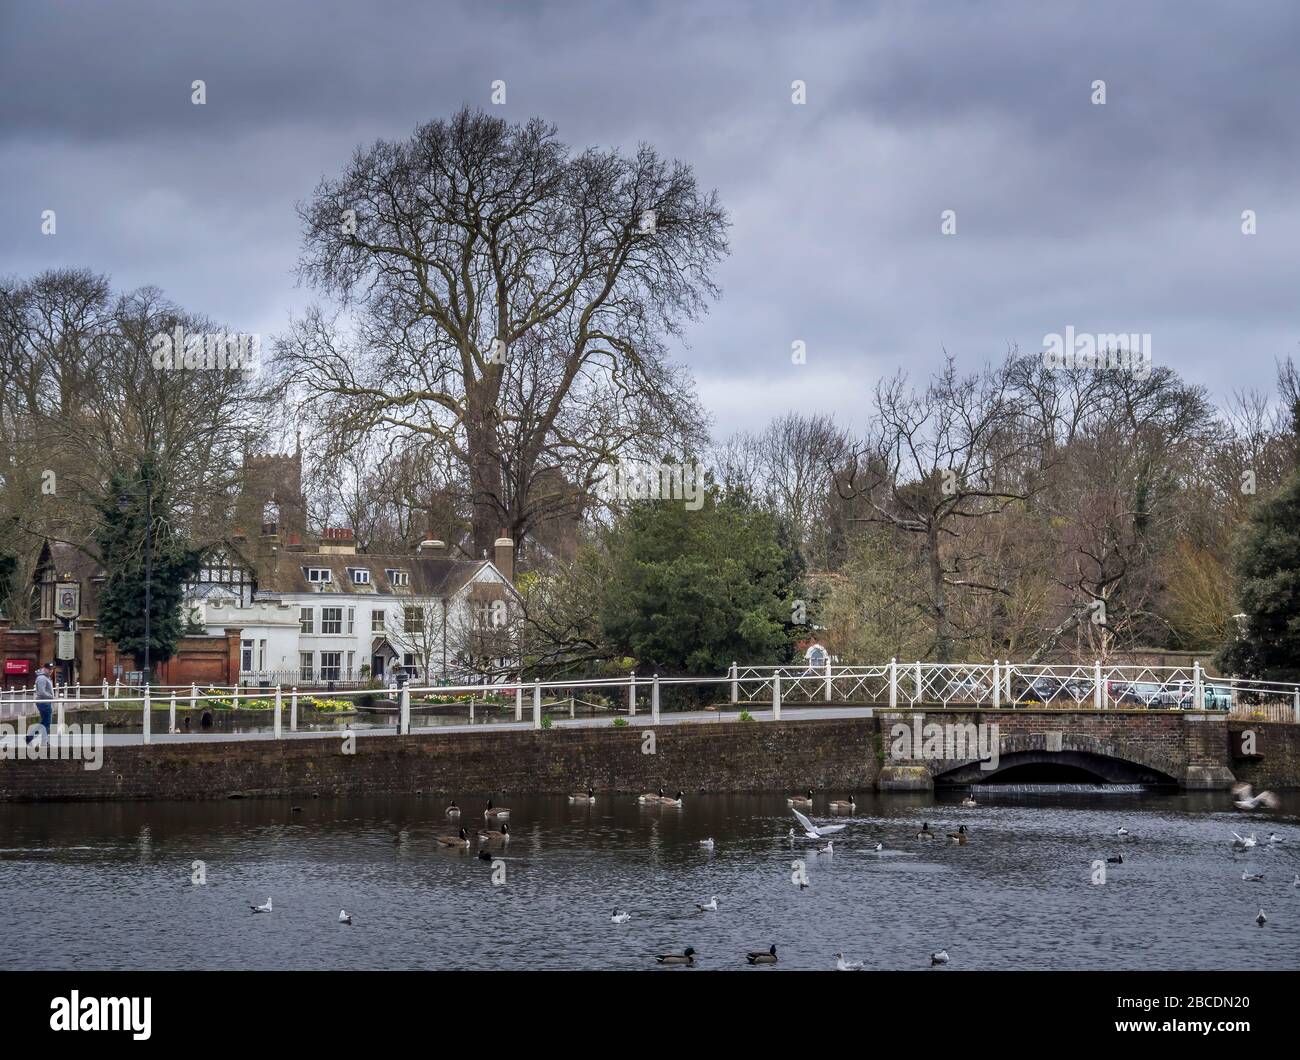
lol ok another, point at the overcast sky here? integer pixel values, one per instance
(1124, 217)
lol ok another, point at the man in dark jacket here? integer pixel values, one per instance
(44, 701)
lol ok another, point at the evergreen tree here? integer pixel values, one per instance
(121, 543)
(1267, 570)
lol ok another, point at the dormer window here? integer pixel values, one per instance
(360, 576)
(399, 579)
(319, 574)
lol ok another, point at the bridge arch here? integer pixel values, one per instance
(1076, 757)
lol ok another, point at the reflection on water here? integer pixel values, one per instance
(108, 885)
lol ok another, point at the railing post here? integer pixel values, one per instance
(519, 701)
(997, 686)
(1097, 701)
(171, 714)
(471, 708)
(735, 683)
(147, 733)
(829, 678)
(893, 683)
(776, 696)
(104, 691)
(1296, 707)
(572, 701)
(537, 703)
(1006, 676)
(1198, 689)
(276, 721)
(62, 700)
(654, 701)
(194, 697)
(631, 695)
(918, 682)
(293, 710)
(404, 712)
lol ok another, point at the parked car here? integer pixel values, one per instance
(1181, 694)
(1145, 693)
(1059, 690)
(966, 688)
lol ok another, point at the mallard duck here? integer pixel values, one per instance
(666, 801)
(925, 832)
(496, 836)
(495, 813)
(969, 800)
(687, 956)
(802, 801)
(844, 805)
(453, 811)
(461, 840)
(958, 836)
(759, 957)
(261, 908)
(584, 796)
(345, 917)
(649, 798)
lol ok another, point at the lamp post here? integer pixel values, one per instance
(123, 504)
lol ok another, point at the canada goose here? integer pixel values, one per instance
(261, 908)
(939, 958)
(495, 813)
(687, 956)
(1243, 842)
(711, 906)
(958, 836)
(664, 800)
(829, 848)
(1118, 859)
(844, 805)
(461, 840)
(842, 965)
(1261, 920)
(1252, 877)
(925, 832)
(494, 836)
(759, 957)
(648, 798)
(345, 917)
(1121, 832)
(584, 796)
(707, 844)
(1246, 801)
(804, 802)
(620, 918)
(969, 800)
(453, 810)
(817, 831)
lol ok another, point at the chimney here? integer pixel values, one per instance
(505, 557)
(338, 541)
(435, 548)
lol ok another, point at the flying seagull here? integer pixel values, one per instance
(812, 831)
(1246, 801)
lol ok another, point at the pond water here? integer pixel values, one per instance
(109, 885)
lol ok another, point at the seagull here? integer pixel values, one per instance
(842, 965)
(345, 917)
(969, 800)
(707, 844)
(1246, 801)
(1297, 880)
(261, 908)
(1244, 842)
(1121, 832)
(1261, 920)
(1273, 838)
(710, 906)
(620, 918)
(1252, 877)
(878, 848)
(829, 848)
(939, 958)
(812, 831)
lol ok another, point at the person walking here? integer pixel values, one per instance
(44, 700)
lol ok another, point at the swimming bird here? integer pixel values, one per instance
(842, 965)
(496, 836)
(587, 796)
(345, 917)
(687, 956)
(1246, 801)
(664, 800)
(707, 844)
(829, 848)
(1274, 839)
(812, 831)
(461, 840)
(1118, 859)
(648, 798)
(1297, 880)
(453, 810)
(485, 855)
(878, 848)
(1243, 842)
(844, 805)
(1121, 832)
(620, 918)
(261, 908)
(1252, 877)
(925, 832)
(759, 957)
(939, 958)
(969, 800)
(958, 836)
(495, 813)
(711, 906)
(802, 801)
(1261, 920)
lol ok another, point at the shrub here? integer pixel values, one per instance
(620, 723)
(746, 716)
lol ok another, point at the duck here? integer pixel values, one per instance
(453, 810)
(461, 840)
(802, 801)
(941, 957)
(495, 813)
(261, 908)
(1252, 877)
(845, 805)
(664, 800)
(620, 918)
(1118, 859)
(649, 798)
(843, 965)
(345, 917)
(925, 832)
(496, 836)
(1261, 919)
(759, 957)
(829, 848)
(485, 855)
(707, 844)
(687, 956)
(969, 800)
(711, 906)
(588, 796)
(958, 836)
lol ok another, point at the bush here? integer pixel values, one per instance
(620, 723)
(546, 723)
(746, 716)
